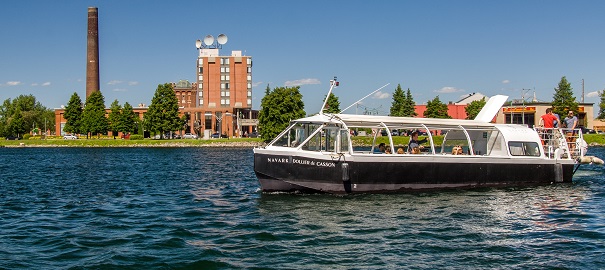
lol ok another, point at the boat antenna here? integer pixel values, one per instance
(333, 83)
(365, 97)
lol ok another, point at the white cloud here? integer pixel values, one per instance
(114, 82)
(381, 95)
(302, 82)
(133, 83)
(119, 90)
(34, 84)
(505, 81)
(255, 84)
(593, 94)
(46, 84)
(448, 89)
(13, 83)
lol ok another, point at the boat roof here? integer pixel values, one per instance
(372, 121)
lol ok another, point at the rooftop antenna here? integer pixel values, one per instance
(333, 83)
(364, 97)
(221, 40)
(208, 40)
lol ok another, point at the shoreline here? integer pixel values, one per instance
(166, 144)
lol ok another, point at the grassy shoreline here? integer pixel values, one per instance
(591, 139)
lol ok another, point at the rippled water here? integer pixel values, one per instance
(200, 208)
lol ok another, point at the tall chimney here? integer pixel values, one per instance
(92, 52)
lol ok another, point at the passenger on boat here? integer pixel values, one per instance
(457, 150)
(571, 122)
(414, 142)
(400, 150)
(548, 121)
(381, 148)
(416, 150)
(388, 150)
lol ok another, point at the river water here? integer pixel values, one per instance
(200, 208)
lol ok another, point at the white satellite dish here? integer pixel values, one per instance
(198, 43)
(222, 39)
(208, 40)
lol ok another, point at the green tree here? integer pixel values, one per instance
(399, 102)
(473, 108)
(333, 105)
(129, 119)
(278, 108)
(563, 99)
(436, 109)
(163, 113)
(32, 114)
(16, 125)
(115, 118)
(93, 116)
(73, 114)
(601, 105)
(409, 108)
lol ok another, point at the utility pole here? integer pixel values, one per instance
(582, 90)
(523, 91)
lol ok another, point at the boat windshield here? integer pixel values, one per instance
(295, 135)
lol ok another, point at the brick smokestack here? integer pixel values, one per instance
(92, 52)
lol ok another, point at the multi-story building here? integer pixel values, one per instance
(224, 96)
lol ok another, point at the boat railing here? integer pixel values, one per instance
(562, 142)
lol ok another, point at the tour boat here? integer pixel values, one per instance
(316, 154)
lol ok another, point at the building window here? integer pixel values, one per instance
(223, 69)
(201, 70)
(201, 102)
(249, 61)
(249, 101)
(226, 61)
(222, 94)
(226, 94)
(249, 85)
(249, 78)
(200, 61)
(227, 69)
(227, 78)
(222, 102)
(222, 61)
(249, 70)
(226, 85)
(201, 94)
(249, 93)
(227, 101)
(201, 78)
(222, 77)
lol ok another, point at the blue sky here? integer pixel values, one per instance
(445, 48)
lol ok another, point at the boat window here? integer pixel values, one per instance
(322, 141)
(344, 141)
(297, 134)
(524, 149)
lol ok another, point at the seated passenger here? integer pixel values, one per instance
(381, 148)
(416, 150)
(388, 150)
(457, 150)
(400, 150)
(414, 142)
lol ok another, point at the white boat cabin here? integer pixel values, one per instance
(331, 134)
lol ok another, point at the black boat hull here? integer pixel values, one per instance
(382, 174)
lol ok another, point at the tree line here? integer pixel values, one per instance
(279, 106)
(92, 119)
